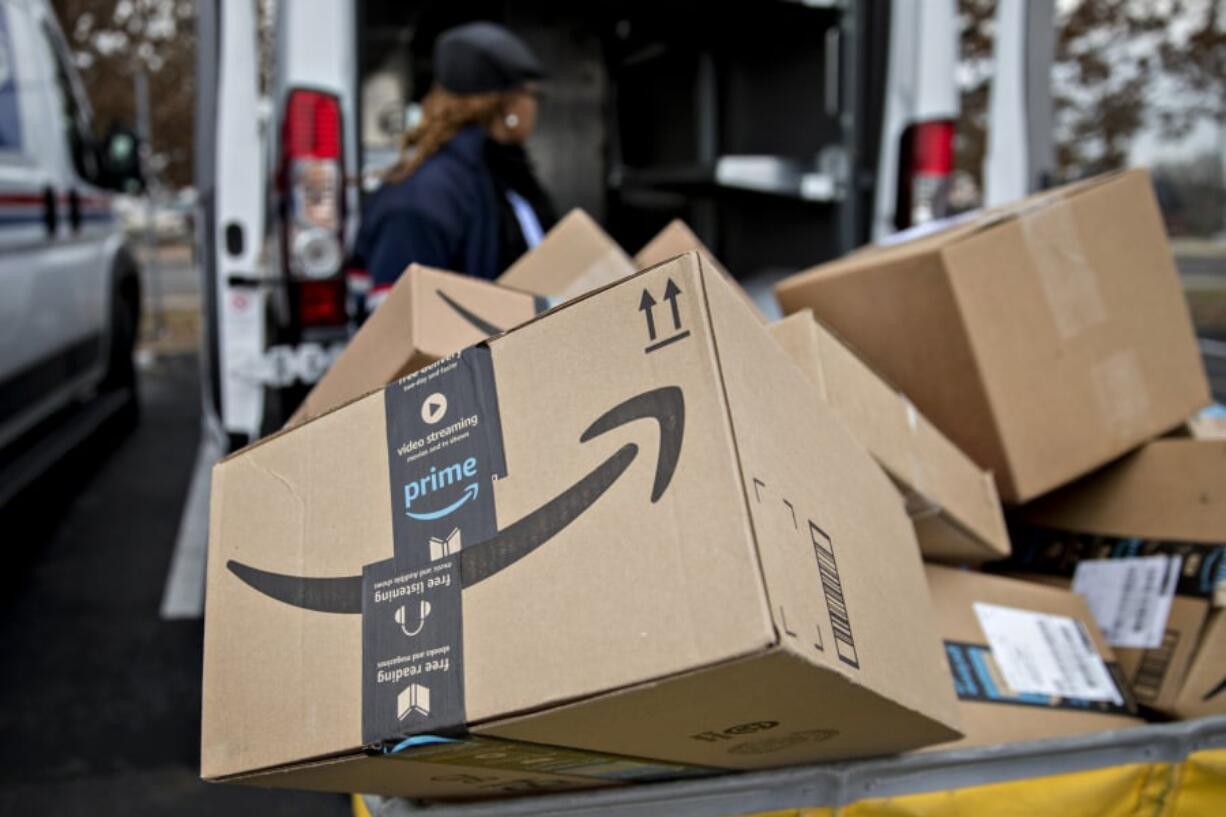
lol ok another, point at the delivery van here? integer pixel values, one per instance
(784, 137)
(69, 287)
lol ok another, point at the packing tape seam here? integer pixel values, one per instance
(1121, 393)
(915, 463)
(1070, 287)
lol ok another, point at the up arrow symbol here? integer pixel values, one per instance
(670, 294)
(646, 305)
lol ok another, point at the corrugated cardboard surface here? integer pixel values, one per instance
(879, 569)
(954, 503)
(427, 315)
(954, 593)
(1204, 691)
(1172, 489)
(677, 238)
(1044, 339)
(631, 598)
(575, 257)
(1157, 675)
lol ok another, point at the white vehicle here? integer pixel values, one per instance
(785, 137)
(69, 289)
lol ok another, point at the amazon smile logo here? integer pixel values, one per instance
(343, 594)
(481, 324)
(1217, 690)
(436, 480)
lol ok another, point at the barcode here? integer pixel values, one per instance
(1140, 621)
(1151, 672)
(1069, 656)
(840, 620)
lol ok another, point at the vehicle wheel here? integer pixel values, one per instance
(121, 363)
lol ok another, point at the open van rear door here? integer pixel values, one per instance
(239, 278)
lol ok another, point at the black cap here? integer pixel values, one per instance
(478, 58)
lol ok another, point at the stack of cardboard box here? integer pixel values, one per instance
(622, 541)
(1050, 340)
(596, 523)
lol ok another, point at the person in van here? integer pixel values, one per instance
(463, 196)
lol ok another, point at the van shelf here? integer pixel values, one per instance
(837, 784)
(774, 175)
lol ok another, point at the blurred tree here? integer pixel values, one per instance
(1196, 67)
(1117, 69)
(1105, 66)
(113, 39)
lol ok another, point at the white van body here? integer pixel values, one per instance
(65, 273)
(364, 59)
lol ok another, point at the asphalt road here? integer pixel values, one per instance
(99, 697)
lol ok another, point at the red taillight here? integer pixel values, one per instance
(322, 303)
(311, 179)
(312, 128)
(926, 163)
(933, 153)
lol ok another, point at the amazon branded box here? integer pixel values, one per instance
(573, 258)
(952, 501)
(677, 238)
(635, 535)
(1044, 338)
(427, 315)
(1166, 498)
(1028, 660)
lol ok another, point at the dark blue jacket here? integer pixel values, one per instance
(445, 215)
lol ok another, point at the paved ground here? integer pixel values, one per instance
(99, 697)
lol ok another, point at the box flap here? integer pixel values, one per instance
(941, 483)
(575, 257)
(427, 314)
(1170, 489)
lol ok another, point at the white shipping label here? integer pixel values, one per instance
(1130, 598)
(1043, 654)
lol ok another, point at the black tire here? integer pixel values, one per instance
(121, 362)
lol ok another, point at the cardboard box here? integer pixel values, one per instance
(991, 711)
(573, 258)
(952, 501)
(1158, 675)
(678, 238)
(1168, 497)
(427, 315)
(668, 548)
(1155, 675)
(1044, 338)
(1204, 691)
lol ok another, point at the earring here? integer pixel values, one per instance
(512, 120)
